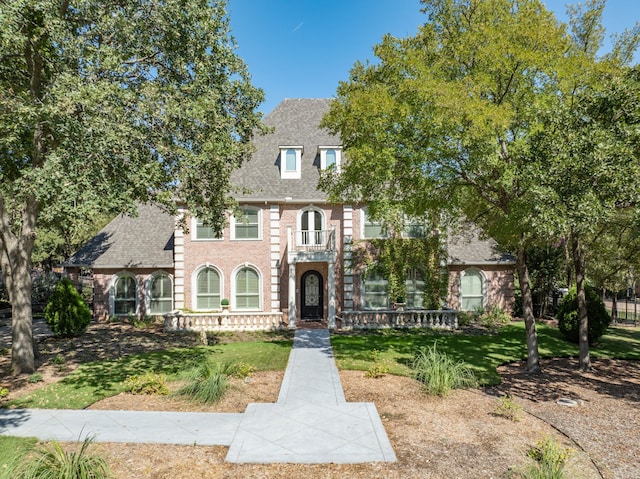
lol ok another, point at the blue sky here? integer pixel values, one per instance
(303, 48)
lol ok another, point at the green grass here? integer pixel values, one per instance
(92, 382)
(12, 452)
(482, 353)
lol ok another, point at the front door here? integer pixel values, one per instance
(312, 297)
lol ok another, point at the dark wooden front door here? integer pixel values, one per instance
(312, 297)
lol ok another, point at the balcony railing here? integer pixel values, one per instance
(313, 240)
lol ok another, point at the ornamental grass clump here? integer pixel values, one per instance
(438, 373)
(53, 462)
(207, 382)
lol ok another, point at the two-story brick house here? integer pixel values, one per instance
(286, 251)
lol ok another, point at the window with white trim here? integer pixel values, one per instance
(246, 226)
(310, 227)
(201, 232)
(375, 294)
(415, 228)
(291, 162)
(247, 289)
(472, 290)
(125, 296)
(207, 289)
(330, 157)
(160, 294)
(370, 228)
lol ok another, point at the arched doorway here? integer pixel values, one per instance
(311, 292)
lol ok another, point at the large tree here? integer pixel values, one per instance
(441, 120)
(107, 102)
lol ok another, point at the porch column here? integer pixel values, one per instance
(332, 295)
(292, 294)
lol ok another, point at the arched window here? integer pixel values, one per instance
(330, 158)
(247, 289)
(160, 294)
(207, 289)
(375, 294)
(311, 227)
(125, 297)
(472, 289)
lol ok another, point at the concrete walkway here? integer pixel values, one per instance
(311, 422)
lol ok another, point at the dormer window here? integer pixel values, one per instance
(290, 162)
(330, 157)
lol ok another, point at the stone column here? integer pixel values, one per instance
(332, 295)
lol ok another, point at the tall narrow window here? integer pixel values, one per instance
(160, 294)
(207, 290)
(311, 225)
(375, 291)
(471, 290)
(247, 224)
(247, 289)
(414, 287)
(124, 296)
(330, 158)
(202, 232)
(290, 160)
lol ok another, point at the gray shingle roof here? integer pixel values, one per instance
(467, 247)
(295, 122)
(145, 241)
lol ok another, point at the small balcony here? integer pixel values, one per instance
(312, 244)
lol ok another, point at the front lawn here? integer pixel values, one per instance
(94, 381)
(395, 348)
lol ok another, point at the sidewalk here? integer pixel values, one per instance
(310, 423)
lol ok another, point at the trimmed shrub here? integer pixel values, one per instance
(149, 383)
(495, 318)
(569, 321)
(66, 312)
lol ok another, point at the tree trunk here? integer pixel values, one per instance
(15, 262)
(578, 260)
(533, 356)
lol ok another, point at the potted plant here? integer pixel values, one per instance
(224, 303)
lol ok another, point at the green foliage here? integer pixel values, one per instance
(465, 318)
(4, 392)
(569, 321)
(550, 460)
(148, 383)
(495, 318)
(438, 373)
(66, 312)
(224, 302)
(58, 359)
(508, 408)
(207, 382)
(379, 367)
(13, 451)
(243, 370)
(35, 378)
(395, 257)
(53, 462)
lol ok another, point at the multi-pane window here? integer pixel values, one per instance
(372, 229)
(203, 232)
(247, 224)
(207, 289)
(415, 228)
(471, 290)
(124, 296)
(375, 291)
(311, 228)
(414, 287)
(160, 294)
(247, 289)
